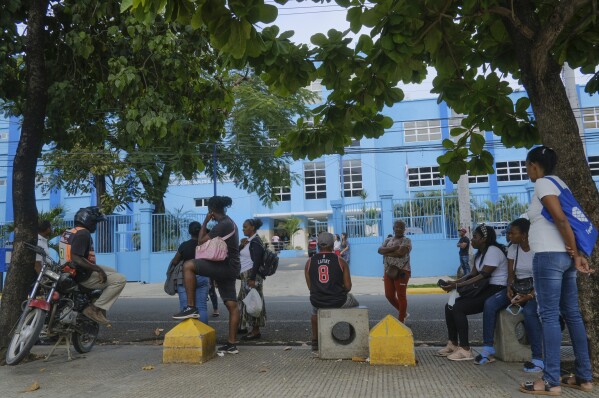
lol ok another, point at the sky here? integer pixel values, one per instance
(307, 18)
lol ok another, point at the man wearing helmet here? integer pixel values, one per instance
(77, 252)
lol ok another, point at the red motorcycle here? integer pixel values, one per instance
(54, 310)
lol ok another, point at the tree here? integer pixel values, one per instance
(473, 45)
(291, 226)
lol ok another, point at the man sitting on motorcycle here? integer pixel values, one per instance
(77, 252)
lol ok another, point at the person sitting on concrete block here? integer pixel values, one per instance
(329, 281)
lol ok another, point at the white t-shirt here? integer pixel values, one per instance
(494, 258)
(43, 243)
(245, 258)
(524, 264)
(544, 235)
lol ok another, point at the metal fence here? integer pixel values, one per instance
(439, 215)
(171, 229)
(363, 220)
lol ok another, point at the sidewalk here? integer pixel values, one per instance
(117, 371)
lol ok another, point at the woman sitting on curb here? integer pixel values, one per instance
(490, 264)
(519, 259)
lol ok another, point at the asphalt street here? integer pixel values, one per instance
(140, 319)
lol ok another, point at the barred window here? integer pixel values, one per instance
(594, 165)
(315, 182)
(425, 176)
(3, 135)
(477, 179)
(201, 202)
(352, 178)
(511, 171)
(422, 130)
(283, 194)
(590, 118)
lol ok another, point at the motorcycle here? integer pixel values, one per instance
(54, 309)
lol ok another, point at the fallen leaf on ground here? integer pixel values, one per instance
(35, 386)
(148, 367)
(42, 369)
(339, 360)
(158, 331)
(287, 348)
(220, 354)
(358, 359)
(263, 370)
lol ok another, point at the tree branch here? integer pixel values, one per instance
(511, 16)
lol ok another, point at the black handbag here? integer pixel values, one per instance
(522, 286)
(474, 289)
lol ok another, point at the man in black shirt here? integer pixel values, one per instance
(464, 245)
(77, 253)
(327, 276)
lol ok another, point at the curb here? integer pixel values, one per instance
(425, 290)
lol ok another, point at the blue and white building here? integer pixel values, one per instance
(388, 171)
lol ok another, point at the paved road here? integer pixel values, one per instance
(136, 319)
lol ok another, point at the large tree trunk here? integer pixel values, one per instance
(25, 211)
(541, 76)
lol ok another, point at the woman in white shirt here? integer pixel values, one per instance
(490, 268)
(554, 267)
(519, 258)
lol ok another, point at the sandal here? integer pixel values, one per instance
(485, 356)
(528, 387)
(578, 383)
(533, 366)
(249, 337)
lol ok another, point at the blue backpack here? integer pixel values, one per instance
(585, 232)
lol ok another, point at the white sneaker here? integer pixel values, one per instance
(461, 355)
(449, 349)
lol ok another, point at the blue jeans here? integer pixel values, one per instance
(465, 264)
(499, 301)
(202, 287)
(555, 286)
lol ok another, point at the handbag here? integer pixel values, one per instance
(521, 286)
(392, 271)
(474, 289)
(395, 265)
(214, 249)
(585, 232)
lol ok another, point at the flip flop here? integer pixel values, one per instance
(528, 387)
(578, 383)
(481, 359)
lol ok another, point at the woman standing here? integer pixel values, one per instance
(337, 245)
(344, 252)
(396, 259)
(490, 268)
(224, 272)
(554, 268)
(251, 254)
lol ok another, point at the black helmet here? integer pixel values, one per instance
(88, 217)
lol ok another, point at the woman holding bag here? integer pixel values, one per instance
(223, 272)
(251, 254)
(396, 259)
(554, 268)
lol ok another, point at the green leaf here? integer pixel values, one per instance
(126, 5)
(196, 20)
(386, 122)
(364, 44)
(477, 141)
(448, 144)
(522, 105)
(268, 13)
(319, 39)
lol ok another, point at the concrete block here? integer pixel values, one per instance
(191, 341)
(355, 345)
(391, 343)
(508, 348)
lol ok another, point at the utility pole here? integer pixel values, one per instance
(464, 203)
(214, 164)
(569, 78)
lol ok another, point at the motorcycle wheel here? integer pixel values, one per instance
(84, 341)
(26, 335)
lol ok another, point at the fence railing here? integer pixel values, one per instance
(170, 230)
(363, 220)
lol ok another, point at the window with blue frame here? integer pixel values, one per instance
(594, 165)
(352, 178)
(511, 171)
(422, 130)
(425, 176)
(590, 118)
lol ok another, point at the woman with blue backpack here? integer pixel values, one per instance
(557, 258)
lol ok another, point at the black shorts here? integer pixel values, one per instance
(222, 273)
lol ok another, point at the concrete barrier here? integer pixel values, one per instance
(508, 347)
(191, 341)
(391, 343)
(332, 347)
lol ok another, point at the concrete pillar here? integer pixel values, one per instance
(191, 341)
(337, 217)
(145, 232)
(391, 343)
(464, 204)
(386, 212)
